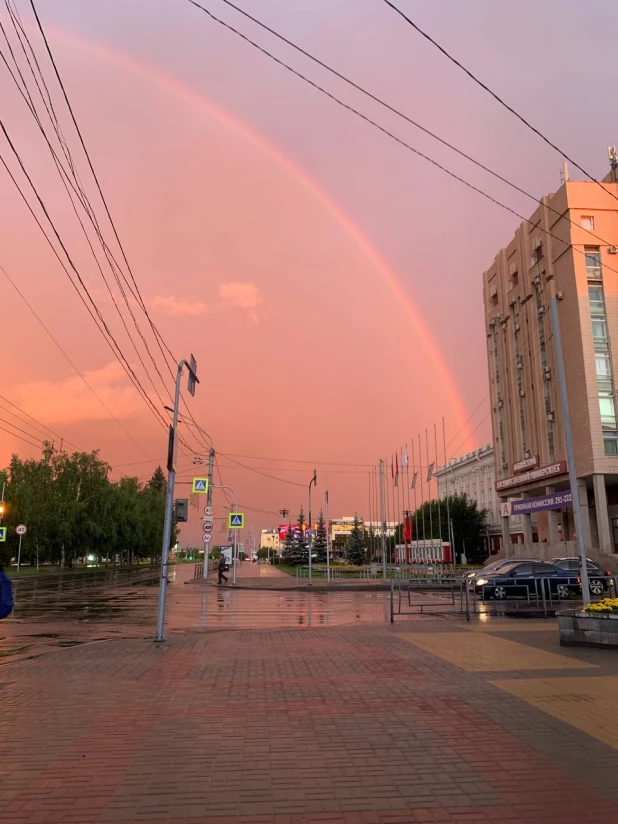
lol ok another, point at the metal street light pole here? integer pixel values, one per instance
(169, 498)
(568, 437)
(312, 482)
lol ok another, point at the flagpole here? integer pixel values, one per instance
(448, 512)
(429, 486)
(435, 439)
(389, 493)
(414, 480)
(383, 526)
(420, 466)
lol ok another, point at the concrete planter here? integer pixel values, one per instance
(582, 629)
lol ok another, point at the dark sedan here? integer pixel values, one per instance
(599, 579)
(520, 580)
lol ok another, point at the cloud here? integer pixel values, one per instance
(242, 295)
(169, 305)
(69, 401)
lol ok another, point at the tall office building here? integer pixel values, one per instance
(568, 249)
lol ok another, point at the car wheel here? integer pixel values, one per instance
(500, 593)
(563, 591)
(596, 586)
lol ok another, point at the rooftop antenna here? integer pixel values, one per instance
(564, 172)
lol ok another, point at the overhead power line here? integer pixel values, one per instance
(25, 440)
(388, 133)
(399, 113)
(493, 94)
(72, 364)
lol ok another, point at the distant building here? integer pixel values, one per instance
(269, 539)
(568, 250)
(473, 475)
(340, 528)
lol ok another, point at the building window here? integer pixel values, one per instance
(595, 296)
(593, 262)
(588, 222)
(610, 443)
(608, 409)
(513, 280)
(599, 332)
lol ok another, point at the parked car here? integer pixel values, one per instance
(518, 579)
(599, 579)
(496, 565)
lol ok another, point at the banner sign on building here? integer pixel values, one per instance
(527, 463)
(543, 503)
(532, 475)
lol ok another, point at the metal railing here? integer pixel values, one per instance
(198, 569)
(539, 596)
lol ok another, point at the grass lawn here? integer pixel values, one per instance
(49, 569)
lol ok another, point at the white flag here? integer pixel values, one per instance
(430, 472)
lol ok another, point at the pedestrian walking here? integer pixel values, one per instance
(221, 569)
(6, 594)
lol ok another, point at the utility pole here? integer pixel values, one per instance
(383, 519)
(568, 436)
(169, 499)
(211, 464)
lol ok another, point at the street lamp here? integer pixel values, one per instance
(312, 482)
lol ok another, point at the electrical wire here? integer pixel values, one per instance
(388, 133)
(36, 425)
(400, 114)
(260, 472)
(37, 445)
(72, 364)
(493, 94)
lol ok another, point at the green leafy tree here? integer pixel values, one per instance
(72, 510)
(468, 521)
(320, 544)
(356, 549)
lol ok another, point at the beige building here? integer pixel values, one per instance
(473, 475)
(568, 249)
(269, 539)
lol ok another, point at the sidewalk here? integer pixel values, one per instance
(427, 721)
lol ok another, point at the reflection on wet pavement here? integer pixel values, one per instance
(55, 613)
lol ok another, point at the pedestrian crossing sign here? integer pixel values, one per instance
(200, 486)
(236, 520)
(2, 533)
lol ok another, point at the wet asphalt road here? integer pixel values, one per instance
(74, 609)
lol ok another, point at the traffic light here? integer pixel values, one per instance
(181, 510)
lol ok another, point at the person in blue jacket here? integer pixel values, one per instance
(6, 594)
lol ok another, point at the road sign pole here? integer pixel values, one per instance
(169, 503)
(211, 464)
(19, 554)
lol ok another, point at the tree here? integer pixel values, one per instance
(301, 539)
(469, 524)
(72, 509)
(289, 553)
(320, 542)
(356, 549)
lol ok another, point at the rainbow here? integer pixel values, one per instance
(171, 86)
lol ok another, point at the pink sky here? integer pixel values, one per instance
(285, 243)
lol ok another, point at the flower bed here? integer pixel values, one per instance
(608, 606)
(595, 626)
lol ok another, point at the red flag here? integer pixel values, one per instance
(392, 468)
(396, 464)
(408, 529)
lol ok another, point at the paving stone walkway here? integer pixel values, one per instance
(426, 721)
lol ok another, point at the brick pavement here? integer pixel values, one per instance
(348, 725)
